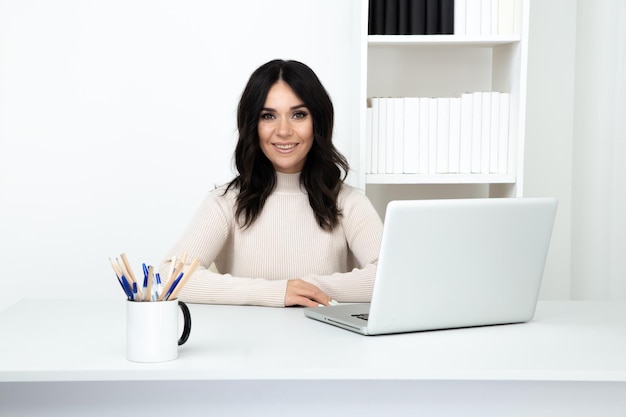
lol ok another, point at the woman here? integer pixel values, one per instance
(286, 230)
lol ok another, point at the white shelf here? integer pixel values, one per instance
(439, 179)
(441, 40)
(448, 66)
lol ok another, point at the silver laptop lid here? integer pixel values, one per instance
(461, 262)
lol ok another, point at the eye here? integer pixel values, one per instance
(300, 115)
(267, 116)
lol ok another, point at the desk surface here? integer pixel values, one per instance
(74, 340)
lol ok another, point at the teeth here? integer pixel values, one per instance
(285, 147)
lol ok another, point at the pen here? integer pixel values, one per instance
(177, 267)
(174, 272)
(170, 288)
(128, 295)
(127, 288)
(123, 272)
(177, 270)
(122, 280)
(192, 268)
(158, 288)
(172, 284)
(136, 296)
(152, 288)
(144, 292)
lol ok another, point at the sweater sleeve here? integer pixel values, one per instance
(363, 232)
(204, 238)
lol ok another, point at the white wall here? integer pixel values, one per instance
(576, 142)
(117, 116)
(549, 128)
(599, 179)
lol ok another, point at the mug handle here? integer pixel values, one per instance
(187, 325)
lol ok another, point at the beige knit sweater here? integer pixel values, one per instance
(285, 242)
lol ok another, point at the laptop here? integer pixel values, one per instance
(453, 263)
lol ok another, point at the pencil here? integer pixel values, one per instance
(169, 284)
(128, 268)
(123, 271)
(148, 290)
(172, 267)
(118, 273)
(122, 280)
(192, 268)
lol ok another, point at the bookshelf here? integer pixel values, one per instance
(441, 66)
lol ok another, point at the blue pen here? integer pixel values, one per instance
(156, 289)
(123, 287)
(127, 288)
(145, 282)
(171, 290)
(135, 295)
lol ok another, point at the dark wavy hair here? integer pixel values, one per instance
(325, 167)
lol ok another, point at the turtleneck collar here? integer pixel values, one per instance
(288, 183)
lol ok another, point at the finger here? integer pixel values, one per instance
(302, 293)
(299, 300)
(307, 302)
(314, 294)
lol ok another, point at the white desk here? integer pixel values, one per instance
(67, 358)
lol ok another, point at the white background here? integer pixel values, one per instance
(576, 142)
(116, 117)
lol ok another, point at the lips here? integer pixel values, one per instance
(284, 147)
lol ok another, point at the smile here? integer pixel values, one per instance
(285, 147)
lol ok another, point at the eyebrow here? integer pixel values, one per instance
(296, 107)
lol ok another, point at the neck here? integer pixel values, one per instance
(288, 182)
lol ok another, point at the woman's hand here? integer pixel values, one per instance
(301, 293)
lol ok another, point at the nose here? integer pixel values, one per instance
(284, 127)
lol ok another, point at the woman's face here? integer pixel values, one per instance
(285, 129)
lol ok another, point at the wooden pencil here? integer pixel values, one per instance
(146, 296)
(186, 276)
(129, 270)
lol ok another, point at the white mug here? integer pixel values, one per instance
(152, 330)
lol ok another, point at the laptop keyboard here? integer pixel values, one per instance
(363, 316)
